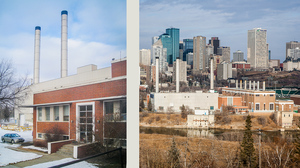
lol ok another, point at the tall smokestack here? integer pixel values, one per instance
(245, 82)
(37, 42)
(177, 75)
(264, 85)
(253, 85)
(236, 84)
(241, 84)
(64, 43)
(156, 75)
(249, 85)
(211, 74)
(257, 85)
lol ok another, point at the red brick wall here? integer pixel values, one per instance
(106, 89)
(55, 146)
(118, 69)
(44, 127)
(296, 100)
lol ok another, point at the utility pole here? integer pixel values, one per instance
(259, 142)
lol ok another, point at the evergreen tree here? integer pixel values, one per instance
(174, 155)
(183, 111)
(142, 105)
(149, 105)
(248, 156)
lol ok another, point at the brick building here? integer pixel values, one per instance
(87, 107)
(257, 100)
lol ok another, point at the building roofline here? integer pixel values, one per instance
(73, 101)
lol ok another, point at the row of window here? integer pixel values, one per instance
(53, 113)
(257, 106)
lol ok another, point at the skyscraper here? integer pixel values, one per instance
(174, 34)
(187, 48)
(145, 56)
(291, 45)
(161, 53)
(238, 56)
(257, 51)
(199, 48)
(215, 42)
(166, 41)
(225, 52)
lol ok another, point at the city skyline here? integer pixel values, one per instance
(92, 37)
(228, 20)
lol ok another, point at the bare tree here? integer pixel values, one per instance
(12, 88)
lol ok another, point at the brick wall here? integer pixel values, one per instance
(106, 89)
(118, 69)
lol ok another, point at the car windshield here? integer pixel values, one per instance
(15, 135)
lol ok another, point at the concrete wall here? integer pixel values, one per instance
(195, 101)
(200, 120)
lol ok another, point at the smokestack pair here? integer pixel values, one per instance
(64, 48)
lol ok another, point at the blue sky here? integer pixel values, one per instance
(96, 34)
(228, 20)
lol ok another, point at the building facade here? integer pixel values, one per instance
(161, 53)
(199, 48)
(174, 34)
(238, 56)
(182, 71)
(87, 107)
(145, 57)
(291, 45)
(225, 52)
(215, 42)
(257, 50)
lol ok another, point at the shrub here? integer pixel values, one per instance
(261, 120)
(150, 120)
(54, 133)
(157, 118)
(272, 117)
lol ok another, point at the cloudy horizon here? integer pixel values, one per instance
(228, 20)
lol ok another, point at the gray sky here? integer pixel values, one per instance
(228, 20)
(96, 34)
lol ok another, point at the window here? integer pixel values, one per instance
(40, 136)
(56, 113)
(40, 114)
(277, 108)
(86, 123)
(271, 106)
(257, 95)
(211, 107)
(161, 108)
(271, 95)
(116, 110)
(257, 106)
(65, 137)
(66, 109)
(47, 113)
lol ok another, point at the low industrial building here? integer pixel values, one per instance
(254, 98)
(87, 107)
(200, 121)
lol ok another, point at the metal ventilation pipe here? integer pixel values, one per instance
(64, 43)
(156, 75)
(241, 84)
(236, 84)
(253, 85)
(37, 45)
(177, 75)
(257, 85)
(245, 83)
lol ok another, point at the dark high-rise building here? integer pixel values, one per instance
(174, 34)
(166, 41)
(187, 48)
(215, 42)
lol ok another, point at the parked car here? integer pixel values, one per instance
(12, 137)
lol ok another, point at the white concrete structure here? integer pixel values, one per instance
(182, 71)
(37, 44)
(64, 43)
(195, 101)
(198, 121)
(291, 65)
(177, 75)
(225, 52)
(211, 75)
(257, 50)
(291, 45)
(294, 53)
(145, 57)
(157, 74)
